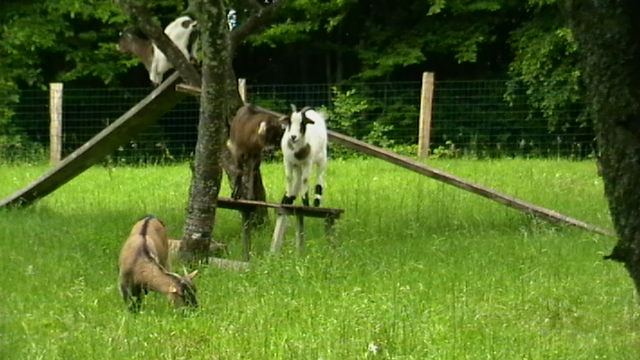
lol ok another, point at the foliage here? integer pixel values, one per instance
(329, 41)
(545, 65)
(302, 19)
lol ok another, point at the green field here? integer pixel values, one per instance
(421, 270)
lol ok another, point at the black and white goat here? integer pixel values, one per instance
(179, 31)
(304, 144)
(156, 63)
(251, 132)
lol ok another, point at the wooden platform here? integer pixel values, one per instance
(283, 211)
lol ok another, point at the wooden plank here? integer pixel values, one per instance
(424, 125)
(55, 126)
(146, 112)
(242, 89)
(300, 233)
(423, 169)
(246, 235)
(243, 205)
(227, 264)
(420, 168)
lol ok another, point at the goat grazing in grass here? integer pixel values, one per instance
(251, 133)
(144, 266)
(179, 31)
(304, 143)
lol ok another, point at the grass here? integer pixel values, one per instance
(421, 270)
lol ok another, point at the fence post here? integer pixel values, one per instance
(242, 89)
(426, 103)
(55, 126)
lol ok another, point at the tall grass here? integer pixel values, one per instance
(420, 270)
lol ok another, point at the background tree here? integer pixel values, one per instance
(607, 35)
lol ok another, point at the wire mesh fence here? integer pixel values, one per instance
(470, 118)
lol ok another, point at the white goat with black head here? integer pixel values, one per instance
(304, 144)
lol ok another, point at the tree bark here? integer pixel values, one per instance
(212, 129)
(607, 35)
(219, 101)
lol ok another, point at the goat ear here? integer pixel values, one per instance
(262, 129)
(285, 121)
(192, 274)
(173, 289)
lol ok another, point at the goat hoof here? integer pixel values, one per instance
(288, 200)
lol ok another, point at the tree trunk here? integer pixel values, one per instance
(212, 129)
(607, 35)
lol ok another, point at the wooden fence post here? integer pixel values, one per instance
(426, 104)
(55, 126)
(242, 89)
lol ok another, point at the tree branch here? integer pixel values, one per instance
(138, 12)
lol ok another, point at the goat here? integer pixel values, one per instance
(141, 48)
(143, 266)
(251, 132)
(304, 144)
(179, 31)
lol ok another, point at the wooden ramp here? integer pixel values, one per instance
(423, 169)
(146, 112)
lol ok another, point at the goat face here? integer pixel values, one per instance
(296, 127)
(183, 292)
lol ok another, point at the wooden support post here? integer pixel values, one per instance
(278, 232)
(246, 235)
(242, 89)
(329, 221)
(55, 126)
(300, 233)
(426, 105)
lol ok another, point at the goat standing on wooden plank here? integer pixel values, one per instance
(179, 31)
(156, 63)
(251, 133)
(144, 266)
(142, 48)
(304, 144)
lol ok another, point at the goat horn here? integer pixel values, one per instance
(304, 109)
(293, 108)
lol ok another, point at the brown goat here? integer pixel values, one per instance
(139, 47)
(144, 266)
(251, 133)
